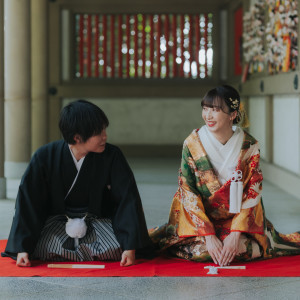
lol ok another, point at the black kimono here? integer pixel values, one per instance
(47, 180)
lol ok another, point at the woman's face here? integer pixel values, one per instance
(217, 120)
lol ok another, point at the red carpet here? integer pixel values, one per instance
(288, 266)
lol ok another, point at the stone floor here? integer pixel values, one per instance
(157, 183)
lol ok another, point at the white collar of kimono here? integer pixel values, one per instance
(78, 163)
(224, 158)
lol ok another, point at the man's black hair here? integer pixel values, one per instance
(83, 118)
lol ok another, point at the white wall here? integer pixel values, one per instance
(148, 121)
(285, 129)
(257, 113)
(286, 132)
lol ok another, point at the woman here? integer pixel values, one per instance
(217, 212)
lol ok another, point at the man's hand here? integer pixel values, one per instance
(230, 248)
(23, 260)
(128, 258)
(214, 247)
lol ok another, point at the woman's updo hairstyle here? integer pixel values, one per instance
(226, 98)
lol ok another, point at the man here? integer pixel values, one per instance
(83, 177)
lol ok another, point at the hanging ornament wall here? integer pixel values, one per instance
(282, 35)
(253, 43)
(270, 37)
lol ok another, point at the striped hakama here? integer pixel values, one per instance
(99, 243)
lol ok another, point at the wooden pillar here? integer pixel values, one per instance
(17, 87)
(39, 84)
(2, 178)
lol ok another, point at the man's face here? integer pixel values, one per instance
(96, 143)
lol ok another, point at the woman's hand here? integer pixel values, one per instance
(23, 260)
(214, 247)
(230, 248)
(128, 258)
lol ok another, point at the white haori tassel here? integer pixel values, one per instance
(76, 228)
(236, 192)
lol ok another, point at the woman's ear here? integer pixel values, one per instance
(233, 115)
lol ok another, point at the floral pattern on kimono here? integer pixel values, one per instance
(200, 207)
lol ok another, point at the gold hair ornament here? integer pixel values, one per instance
(234, 103)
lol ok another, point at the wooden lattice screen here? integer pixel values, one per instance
(143, 46)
